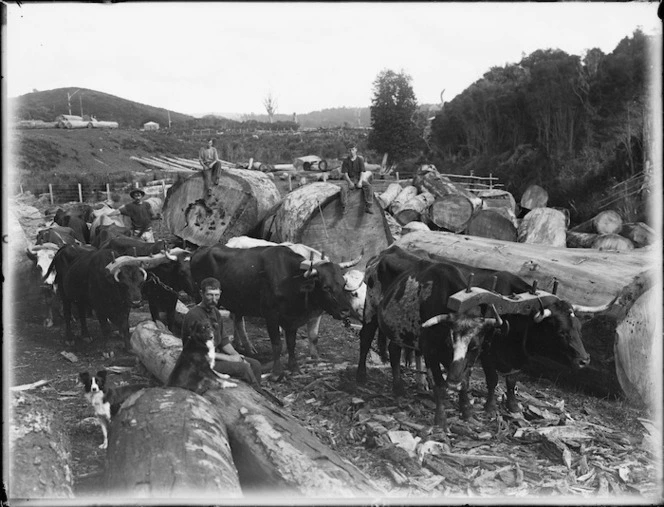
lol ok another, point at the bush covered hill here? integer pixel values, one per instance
(47, 105)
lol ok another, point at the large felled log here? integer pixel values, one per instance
(494, 198)
(312, 215)
(391, 192)
(39, 451)
(587, 277)
(534, 197)
(488, 223)
(406, 194)
(606, 222)
(543, 226)
(183, 452)
(415, 208)
(451, 212)
(612, 242)
(239, 202)
(638, 233)
(272, 451)
(440, 186)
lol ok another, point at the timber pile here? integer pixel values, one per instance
(589, 278)
(312, 215)
(606, 231)
(237, 205)
(272, 451)
(40, 450)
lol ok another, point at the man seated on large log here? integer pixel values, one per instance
(227, 359)
(209, 159)
(140, 214)
(356, 176)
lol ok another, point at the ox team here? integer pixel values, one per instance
(403, 295)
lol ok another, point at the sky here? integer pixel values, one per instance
(198, 58)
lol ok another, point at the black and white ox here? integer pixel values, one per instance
(354, 286)
(277, 284)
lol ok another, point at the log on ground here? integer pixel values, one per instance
(586, 277)
(440, 186)
(170, 443)
(313, 215)
(236, 206)
(406, 194)
(534, 197)
(494, 198)
(639, 233)
(612, 242)
(580, 239)
(543, 226)
(451, 212)
(272, 451)
(391, 192)
(606, 222)
(489, 223)
(39, 451)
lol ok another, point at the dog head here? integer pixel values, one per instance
(202, 338)
(93, 384)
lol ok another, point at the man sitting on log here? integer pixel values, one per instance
(355, 175)
(227, 359)
(140, 214)
(209, 159)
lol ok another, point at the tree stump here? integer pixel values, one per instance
(272, 451)
(415, 208)
(39, 451)
(606, 222)
(312, 215)
(543, 226)
(534, 197)
(391, 192)
(451, 212)
(238, 204)
(587, 277)
(170, 443)
(489, 223)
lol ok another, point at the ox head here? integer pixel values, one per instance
(356, 289)
(325, 281)
(463, 335)
(556, 334)
(43, 256)
(181, 259)
(128, 274)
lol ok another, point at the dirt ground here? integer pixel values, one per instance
(606, 450)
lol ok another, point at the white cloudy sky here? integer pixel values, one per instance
(226, 57)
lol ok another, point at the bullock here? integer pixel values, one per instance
(75, 222)
(354, 286)
(105, 216)
(105, 233)
(277, 284)
(109, 286)
(552, 331)
(57, 235)
(165, 280)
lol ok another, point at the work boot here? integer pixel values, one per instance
(367, 209)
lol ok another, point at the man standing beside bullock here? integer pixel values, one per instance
(227, 359)
(140, 214)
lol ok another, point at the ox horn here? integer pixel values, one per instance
(541, 315)
(352, 262)
(593, 309)
(145, 274)
(116, 274)
(32, 254)
(437, 320)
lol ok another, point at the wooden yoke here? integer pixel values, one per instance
(522, 304)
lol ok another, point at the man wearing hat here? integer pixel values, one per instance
(140, 214)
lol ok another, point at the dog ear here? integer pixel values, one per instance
(84, 377)
(102, 374)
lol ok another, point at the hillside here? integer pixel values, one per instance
(46, 105)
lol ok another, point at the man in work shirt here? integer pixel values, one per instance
(140, 214)
(356, 176)
(209, 159)
(227, 359)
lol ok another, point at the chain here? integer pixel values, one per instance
(154, 278)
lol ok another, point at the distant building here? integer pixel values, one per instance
(68, 117)
(151, 125)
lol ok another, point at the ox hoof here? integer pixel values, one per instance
(491, 409)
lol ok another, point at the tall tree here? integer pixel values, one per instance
(270, 103)
(393, 116)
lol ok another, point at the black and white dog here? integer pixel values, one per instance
(105, 401)
(194, 369)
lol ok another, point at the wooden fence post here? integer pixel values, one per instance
(80, 193)
(490, 181)
(50, 191)
(396, 175)
(108, 191)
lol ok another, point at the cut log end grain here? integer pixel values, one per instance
(612, 242)
(606, 222)
(494, 198)
(534, 197)
(491, 224)
(638, 233)
(415, 208)
(451, 212)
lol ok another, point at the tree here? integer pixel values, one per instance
(393, 114)
(270, 104)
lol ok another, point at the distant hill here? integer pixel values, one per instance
(48, 104)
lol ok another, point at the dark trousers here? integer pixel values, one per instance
(248, 370)
(367, 190)
(211, 177)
